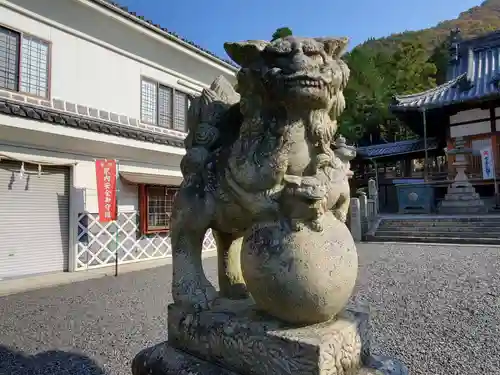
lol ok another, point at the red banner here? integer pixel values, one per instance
(106, 189)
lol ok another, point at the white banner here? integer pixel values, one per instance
(488, 163)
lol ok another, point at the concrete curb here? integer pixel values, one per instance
(25, 284)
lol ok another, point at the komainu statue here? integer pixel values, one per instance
(263, 171)
(263, 154)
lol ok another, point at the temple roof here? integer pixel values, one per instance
(396, 148)
(474, 75)
(445, 94)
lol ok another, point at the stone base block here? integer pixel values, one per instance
(462, 197)
(461, 190)
(454, 207)
(462, 203)
(163, 359)
(233, 336)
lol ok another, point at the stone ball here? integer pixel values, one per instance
(303, 277)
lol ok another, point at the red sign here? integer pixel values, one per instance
(106, 189)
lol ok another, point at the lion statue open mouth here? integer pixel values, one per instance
(305, 70)
(251, 153)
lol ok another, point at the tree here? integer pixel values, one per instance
(413, 71)
(351, 132)
(281, 33)
(376, 76)
(440, 58)
(367, 95)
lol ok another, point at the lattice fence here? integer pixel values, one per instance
(97, 241)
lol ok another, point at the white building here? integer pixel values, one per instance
(82, 80)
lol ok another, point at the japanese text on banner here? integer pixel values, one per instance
(106, 189)
(488, 164)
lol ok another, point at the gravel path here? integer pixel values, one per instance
(436, 308)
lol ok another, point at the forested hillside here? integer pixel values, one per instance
(473, 22)
(406, 62)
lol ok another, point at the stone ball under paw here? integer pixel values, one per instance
(301, 277)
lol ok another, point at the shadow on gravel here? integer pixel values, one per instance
(52, 362)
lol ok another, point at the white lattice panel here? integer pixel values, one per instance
(97, 242)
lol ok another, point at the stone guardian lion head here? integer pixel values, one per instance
(292, 72)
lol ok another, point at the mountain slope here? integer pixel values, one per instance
(473, 22)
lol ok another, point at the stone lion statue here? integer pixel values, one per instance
(265, 151)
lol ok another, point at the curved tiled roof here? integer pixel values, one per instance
(117, 8)
(445, 94)
(396, 148)
(476, 77)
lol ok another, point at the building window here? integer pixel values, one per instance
(24, 63)
(163, 106)
(156, 205)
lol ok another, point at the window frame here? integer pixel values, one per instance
(157, 85)
(19, 63)
(144, 226)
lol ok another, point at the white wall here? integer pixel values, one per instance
(98, 61)
(85, 197)
(84, 189)
(43, 146)
(476, 114)
(84, 182)
(479, 123)
(474, 128)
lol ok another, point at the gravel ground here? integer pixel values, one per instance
(435, 308)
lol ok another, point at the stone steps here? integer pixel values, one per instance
(473, 230)
(492, 231)
(440, 225)
(454, 234)
(427, 239)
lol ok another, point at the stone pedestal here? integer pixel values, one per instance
(462, 200)
(461, 197)
(233, 338)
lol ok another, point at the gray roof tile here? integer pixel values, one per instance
(396, 148)
(475, 75)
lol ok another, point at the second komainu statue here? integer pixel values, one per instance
(263, 171)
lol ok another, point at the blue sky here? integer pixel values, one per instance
(211, 23)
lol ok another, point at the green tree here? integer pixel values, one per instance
(281, 33)
(440, 58)
(367, 94)
(352, 132)
(414, 72)
(376, 76)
